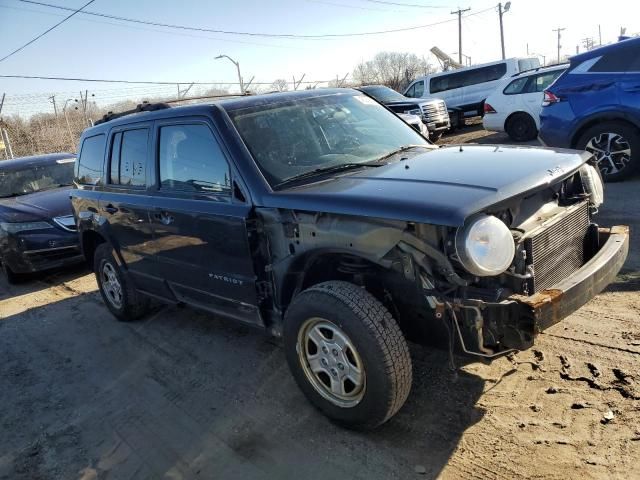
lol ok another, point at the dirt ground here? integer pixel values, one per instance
(183, 395)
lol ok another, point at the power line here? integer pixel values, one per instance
(47, 31)
(251, 34)
(148, 29)
(397, 4)
(71, 79)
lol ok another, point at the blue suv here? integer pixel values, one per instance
(595, 106)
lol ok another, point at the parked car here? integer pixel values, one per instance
(433, 111)
(37, 228)
(467, 88)
(514, 107)
(319, 216)
(595, 106)
(415, 122)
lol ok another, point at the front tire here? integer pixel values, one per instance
(521, 127)
(347, 354)
(616, 146)
(10, 276)
(116, 288)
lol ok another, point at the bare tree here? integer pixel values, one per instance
(393, 69)
(280, 85)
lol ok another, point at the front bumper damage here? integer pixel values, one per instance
(490, 329)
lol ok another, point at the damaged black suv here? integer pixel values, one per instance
(323, 218)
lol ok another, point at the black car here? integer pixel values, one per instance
(433, 111)
(323, 218)
(37, 228)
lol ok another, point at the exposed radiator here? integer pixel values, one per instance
(558, 250)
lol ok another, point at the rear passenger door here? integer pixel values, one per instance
(125, 202)
(200, 231)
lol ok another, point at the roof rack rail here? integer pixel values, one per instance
(141, 107)
(540, 68)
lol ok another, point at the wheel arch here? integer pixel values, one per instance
(89, 241)
(517, 112)
(592, 120)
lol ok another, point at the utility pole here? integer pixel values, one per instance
(599, 35)
(559, 36)
(55, 108)
(501, 12)
(459, 12)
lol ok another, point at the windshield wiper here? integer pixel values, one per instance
(404, 148)
(332, 169)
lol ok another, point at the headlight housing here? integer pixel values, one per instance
(15, 227)
(593, 184)
(485, 246)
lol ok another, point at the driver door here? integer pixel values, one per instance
(199, 228)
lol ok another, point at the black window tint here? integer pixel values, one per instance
(619, 60)
(419, 89)
(133, 158)
(191, 160)
(114, 162)
(467, 77)
(91, 160)
(516, 86)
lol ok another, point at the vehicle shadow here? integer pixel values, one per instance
(183, 394)
(34, 282)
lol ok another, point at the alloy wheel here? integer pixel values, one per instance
(611, 150)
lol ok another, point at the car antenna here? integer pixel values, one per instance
(461, 148)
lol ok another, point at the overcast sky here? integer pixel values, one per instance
(92, 47)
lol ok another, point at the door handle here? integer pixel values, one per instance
(110, 209)
(164, 217)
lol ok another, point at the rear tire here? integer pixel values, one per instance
(116, 288)
(521, 127)
(616, 146)
(347, 354)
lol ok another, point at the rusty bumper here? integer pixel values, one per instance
(518, 319)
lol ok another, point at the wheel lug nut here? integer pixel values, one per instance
(324, 362)
(335, 352)
(325, 350)
(341, 366)
(334, 372)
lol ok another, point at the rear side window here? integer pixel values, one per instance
(540, 82)
(516, 86)
(91, 160)
(625, 58)
(191, 161)
(129, 151)
(467, 77)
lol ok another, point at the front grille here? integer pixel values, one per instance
(434, 109)
(37, 257)
(558, 250)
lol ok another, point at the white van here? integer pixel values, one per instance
(466, 89)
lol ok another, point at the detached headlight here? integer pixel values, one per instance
(11, 227)
(593, 184)
(485, 246)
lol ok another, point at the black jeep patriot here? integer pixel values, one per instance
(323, 218)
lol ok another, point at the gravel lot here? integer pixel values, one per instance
(183, 395)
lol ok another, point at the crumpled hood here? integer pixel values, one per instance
(36, 206)
(443, 186)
